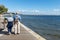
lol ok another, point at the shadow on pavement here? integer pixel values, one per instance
(4, 32)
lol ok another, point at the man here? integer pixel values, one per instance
(17, 19)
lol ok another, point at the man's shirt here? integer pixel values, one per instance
(19, 17)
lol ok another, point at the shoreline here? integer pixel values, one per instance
(33, 33)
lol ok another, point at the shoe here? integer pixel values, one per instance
(18, 33)
(9, 33)
(15, 33)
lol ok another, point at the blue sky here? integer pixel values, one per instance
(50, 7)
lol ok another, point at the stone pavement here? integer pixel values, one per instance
(24, 35)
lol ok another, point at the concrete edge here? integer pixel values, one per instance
(33, 33)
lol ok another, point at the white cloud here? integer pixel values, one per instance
(51, 12)
(29, 11)
(56, 10)
(40, 12)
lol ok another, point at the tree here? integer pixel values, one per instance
(3, 9)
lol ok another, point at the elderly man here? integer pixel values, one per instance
(17, 19)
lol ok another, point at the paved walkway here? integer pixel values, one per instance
(24, 35)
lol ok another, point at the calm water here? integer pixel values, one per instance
(43, 24)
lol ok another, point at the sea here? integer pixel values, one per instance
(47, 26)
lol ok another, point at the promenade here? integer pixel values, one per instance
(24, 35)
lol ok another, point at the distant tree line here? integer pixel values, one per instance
(3, 9)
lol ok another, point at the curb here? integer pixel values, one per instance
(32, 32)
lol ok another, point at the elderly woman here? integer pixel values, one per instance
(10, 21)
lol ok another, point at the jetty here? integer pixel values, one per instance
(25, 34)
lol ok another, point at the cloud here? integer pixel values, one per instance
(50, 12)
(39, 12)
(56, 10)
(29, 11)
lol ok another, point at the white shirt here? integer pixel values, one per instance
(19, 17)
(10, 19)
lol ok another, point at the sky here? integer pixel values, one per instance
(36, 7)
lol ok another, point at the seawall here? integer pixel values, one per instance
(33, 33)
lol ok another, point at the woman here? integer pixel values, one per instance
(10, 24)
